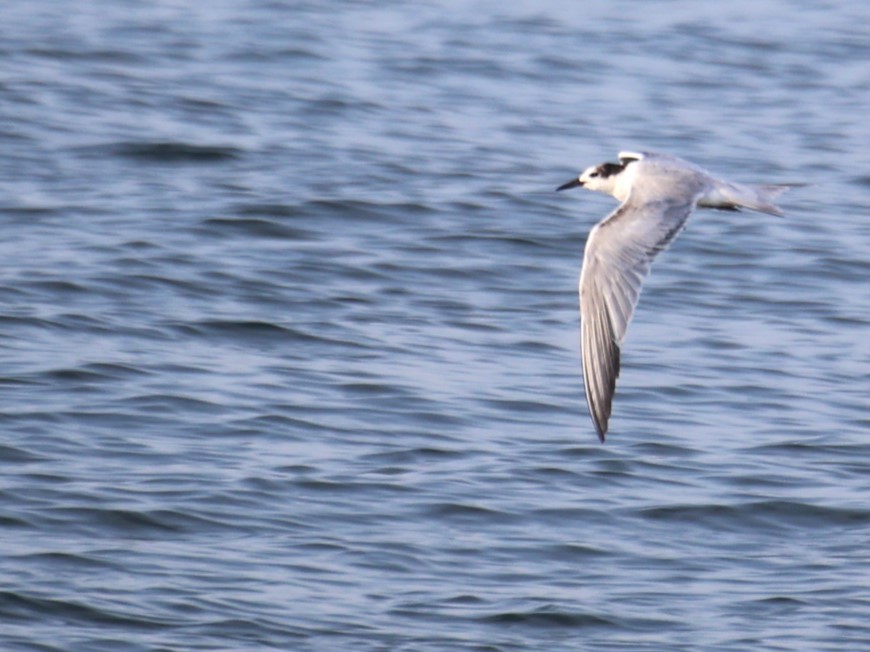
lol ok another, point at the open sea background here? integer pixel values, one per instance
(289, 329)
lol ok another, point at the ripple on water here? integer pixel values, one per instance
(164, 152)
(289, 331)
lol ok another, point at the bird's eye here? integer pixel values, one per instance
(594, 174)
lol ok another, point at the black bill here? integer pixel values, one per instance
(573, 183)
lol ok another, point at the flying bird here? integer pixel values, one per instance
(658, 192)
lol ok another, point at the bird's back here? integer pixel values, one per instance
(664, 178)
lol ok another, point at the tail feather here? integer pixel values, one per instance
(755, 198)
(764, 199)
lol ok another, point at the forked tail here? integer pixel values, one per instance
(735, 196)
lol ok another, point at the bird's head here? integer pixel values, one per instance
(604, 177)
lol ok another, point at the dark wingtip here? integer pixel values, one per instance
(600, 427)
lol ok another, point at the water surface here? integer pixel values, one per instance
(290, 335)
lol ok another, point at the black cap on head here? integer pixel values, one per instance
(609, 169)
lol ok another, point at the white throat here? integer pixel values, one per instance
(623, 182)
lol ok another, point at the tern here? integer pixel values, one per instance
(657, 193)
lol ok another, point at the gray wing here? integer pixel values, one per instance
(617, 259)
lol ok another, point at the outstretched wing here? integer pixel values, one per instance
(617, 259)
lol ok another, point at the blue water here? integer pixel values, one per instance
(289, 329)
